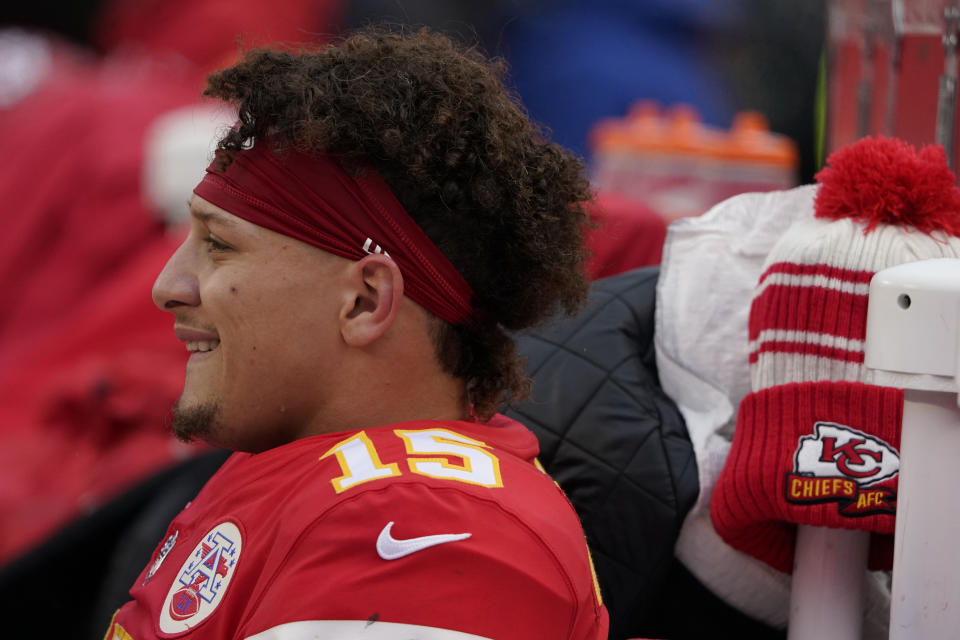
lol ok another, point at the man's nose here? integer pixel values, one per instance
(176, 285)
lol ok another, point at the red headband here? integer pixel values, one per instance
(312, 199)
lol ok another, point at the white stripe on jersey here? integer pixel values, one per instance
(806, 337)
(358, 630)
(790, 280)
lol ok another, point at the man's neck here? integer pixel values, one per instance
(390, 394)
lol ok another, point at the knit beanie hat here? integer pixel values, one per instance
(816, 442)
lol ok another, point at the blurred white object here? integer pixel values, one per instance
(919, 16)
(912, 322)
(178, 147)
(25, 62)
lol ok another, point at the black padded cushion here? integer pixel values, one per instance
(612, 439)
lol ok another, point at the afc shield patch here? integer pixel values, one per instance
(203, 579)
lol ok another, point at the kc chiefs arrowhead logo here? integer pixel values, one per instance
(203, 580)
(843, 465)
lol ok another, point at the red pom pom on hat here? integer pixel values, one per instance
(887, 181)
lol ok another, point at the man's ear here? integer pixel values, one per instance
(377, 290)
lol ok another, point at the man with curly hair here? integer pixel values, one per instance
(379, 219)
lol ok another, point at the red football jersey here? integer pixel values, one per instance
(426, 529)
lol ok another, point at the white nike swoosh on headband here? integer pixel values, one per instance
(389, 548)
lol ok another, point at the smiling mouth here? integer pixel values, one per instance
(202, 346)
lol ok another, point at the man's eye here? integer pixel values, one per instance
(215, 245)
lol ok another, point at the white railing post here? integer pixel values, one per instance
(913, 331)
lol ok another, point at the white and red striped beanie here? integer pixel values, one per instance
(817, 442)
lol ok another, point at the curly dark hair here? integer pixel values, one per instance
(504, 204)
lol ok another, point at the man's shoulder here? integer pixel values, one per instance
(401, 507)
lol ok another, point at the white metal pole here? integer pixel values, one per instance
(826, 594)
(913, 342)
(926, 569)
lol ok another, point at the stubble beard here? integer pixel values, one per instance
(194, 423)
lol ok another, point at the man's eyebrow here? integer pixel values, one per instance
(211, 216)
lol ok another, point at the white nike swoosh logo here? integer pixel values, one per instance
(389, 548)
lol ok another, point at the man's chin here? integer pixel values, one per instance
(195, 422)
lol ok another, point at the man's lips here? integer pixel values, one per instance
(200, 343)
(189, 334)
